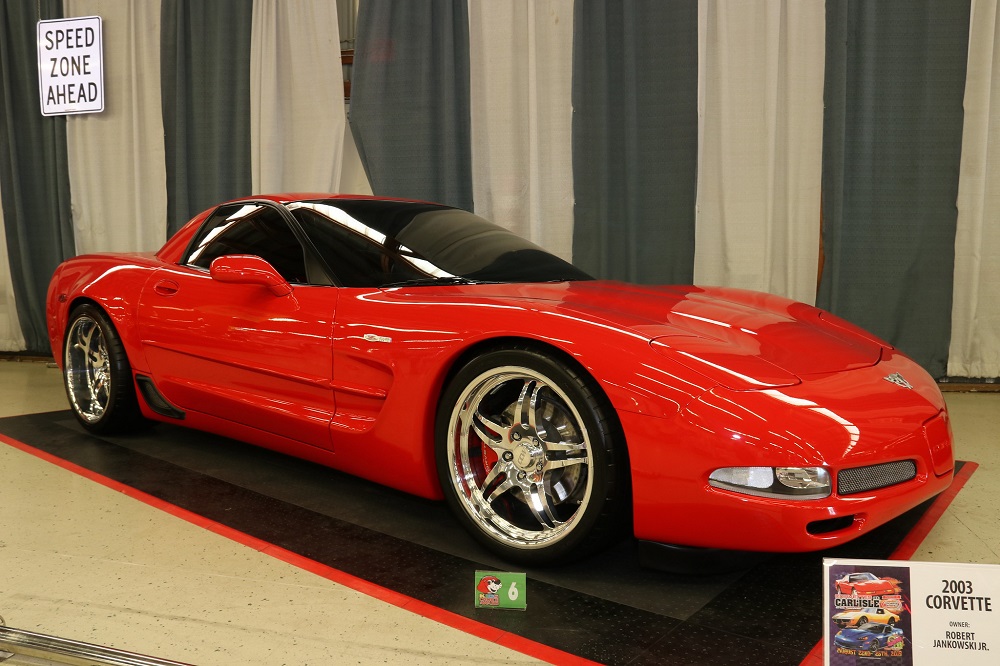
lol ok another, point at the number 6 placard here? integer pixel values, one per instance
(501, 590)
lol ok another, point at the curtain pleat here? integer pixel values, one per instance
(33, 174)
(121, 206)
(521, 61)
(892, 147)
(760, 145)
(975, 315)
(635, 138)
(410, 99)
(297, 119)
(11, 338)
(205, 88)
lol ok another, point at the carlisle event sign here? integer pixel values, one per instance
(71, 66)
(911, 613)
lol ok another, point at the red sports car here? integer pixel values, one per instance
(866, 584)
(427, 349)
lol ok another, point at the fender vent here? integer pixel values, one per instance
(155, 399)
(862, 479)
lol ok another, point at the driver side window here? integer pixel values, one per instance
(256, 229)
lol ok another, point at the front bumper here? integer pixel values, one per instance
(672, 458)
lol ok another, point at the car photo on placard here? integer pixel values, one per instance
(869, 616)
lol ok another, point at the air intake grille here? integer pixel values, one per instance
(863, 479)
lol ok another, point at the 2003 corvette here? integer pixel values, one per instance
(422, 347)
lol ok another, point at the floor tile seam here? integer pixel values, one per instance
(461, 623)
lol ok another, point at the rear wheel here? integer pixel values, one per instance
(530, 456)
(97, 374)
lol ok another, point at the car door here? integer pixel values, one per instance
(239, 351)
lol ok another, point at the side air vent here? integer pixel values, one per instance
(155, 399)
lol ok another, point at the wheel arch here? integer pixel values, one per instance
(487, 345)
(515, 342)
(111, 283)
(118, 320)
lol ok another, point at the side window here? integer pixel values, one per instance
(250, 229)
(356, 260)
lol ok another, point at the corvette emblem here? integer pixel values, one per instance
(898, 380)
(371, 337)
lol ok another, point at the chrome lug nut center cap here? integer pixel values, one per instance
(528, 455)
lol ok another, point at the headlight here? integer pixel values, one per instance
(783, 482)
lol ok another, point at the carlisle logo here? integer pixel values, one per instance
(898, 380)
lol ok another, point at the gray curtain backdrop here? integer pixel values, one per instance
(205, 83)
(410, 99)
(34, 176)
(895, 78)
(635, 139)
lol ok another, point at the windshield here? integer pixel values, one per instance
(373, 243)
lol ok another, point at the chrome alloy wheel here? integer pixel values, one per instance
(519, 456)
(88, 369)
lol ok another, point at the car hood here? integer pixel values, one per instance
(741, 338)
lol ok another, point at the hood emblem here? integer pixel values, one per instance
(898, 380)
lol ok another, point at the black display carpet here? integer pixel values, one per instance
(605, 608)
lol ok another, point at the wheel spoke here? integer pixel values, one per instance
(541, 507)
(506, 485)
(568, 447)
(564, 462)
(494, 435)
(527, 403)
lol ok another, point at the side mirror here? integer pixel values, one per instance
(249, 269)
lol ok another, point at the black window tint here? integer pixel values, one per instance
(357, 261)
(250, 229)
(370, 242)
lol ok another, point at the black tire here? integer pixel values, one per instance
(892, 622)
(553, 483)
(97, 374)
(862, 620)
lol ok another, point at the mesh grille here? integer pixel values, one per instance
(872, 477)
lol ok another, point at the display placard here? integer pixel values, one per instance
(910, 613)
(71, 66)
(501, 590)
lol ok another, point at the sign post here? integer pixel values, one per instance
(71, 66)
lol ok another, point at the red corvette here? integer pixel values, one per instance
(866, 583)
(427, 349)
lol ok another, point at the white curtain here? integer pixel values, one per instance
(975, 320)
(11, 338)
(297, 120)
(521, 70)
(760, 140)
(117, 171)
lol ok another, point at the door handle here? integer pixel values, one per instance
(166, 287)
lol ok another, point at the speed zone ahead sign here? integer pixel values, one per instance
(71, 66)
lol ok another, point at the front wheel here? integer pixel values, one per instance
(97, 374)
(530, 456)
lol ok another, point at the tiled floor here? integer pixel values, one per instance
(86, 562)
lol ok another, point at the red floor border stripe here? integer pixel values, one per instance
(499, 636)
(914, 538)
